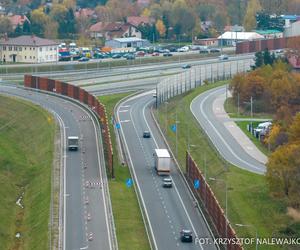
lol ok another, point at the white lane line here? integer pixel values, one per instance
(123, 111)
(175, 187)
(217, 132)
(124, 121)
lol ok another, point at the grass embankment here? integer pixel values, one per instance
(233, 112)
(26, 157)
(248, 198)
(129, 224)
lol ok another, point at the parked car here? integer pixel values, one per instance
(183, 49)
(146, 134)
(186, 235)
(168, 54)
(223, 57)
(204, 51)
(167, 182)
(186, 66)
(129, 56)
(262, 128)
(83, 59)
(116, 56)
(155, 54)
(140, 53)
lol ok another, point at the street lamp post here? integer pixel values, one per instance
(256, 234)
(226, 203)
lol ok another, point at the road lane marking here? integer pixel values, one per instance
(124, 121)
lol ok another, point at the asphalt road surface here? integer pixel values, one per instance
(226, 144)
(168, 210)
(85, 212)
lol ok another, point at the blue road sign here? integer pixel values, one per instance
(196, 184)
(174, 128)
(118, 126)
(129, 182)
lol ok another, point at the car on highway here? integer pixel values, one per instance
(214, 50)
(146, 134)
(83, 59)
(223, 57)
(186, 235)
(167, 54)
(186, 66)
(167, 182)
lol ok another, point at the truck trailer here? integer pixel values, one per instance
(73, 143)
(162, 161)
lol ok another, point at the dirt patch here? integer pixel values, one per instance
(293, 213)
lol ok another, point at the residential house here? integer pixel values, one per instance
(28, 49)
(234, 28)
(85, 13)
(112, 30)
(136, 21)
(231, 38)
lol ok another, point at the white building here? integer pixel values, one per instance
(292, 30)
(28, 49)
(127, 42)
(231, 38)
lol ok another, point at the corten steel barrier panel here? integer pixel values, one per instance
(211, 203)
(257, 45)
(76, 92)
(81, 95)
(43, 83)
(71, 91)
(51, 85)
(64, 88)
(58, 87)
(251, 46)
(90, 100)
(264, 44)
(270, 44)
(27, 81)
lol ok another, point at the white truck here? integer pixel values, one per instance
(162, 160)
(73, 142)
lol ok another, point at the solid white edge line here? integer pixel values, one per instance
(135, 177)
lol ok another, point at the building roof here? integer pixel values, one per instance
(241, 35)
(267, 32)
(28, 41)
(290, 17)
(137, 20)
(85, 12)
(109, 27)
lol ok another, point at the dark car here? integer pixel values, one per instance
(83, 59)
(116, 56)
(167, 54)
(146, 134)
(186, 66)
(186, 235)
(214, 50)
(167, 182)
(203, 51)
(129, 56)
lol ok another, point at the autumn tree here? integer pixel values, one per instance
(283, 170)
(39, 21)
(252, 8)
(160, 27)
(5, 25)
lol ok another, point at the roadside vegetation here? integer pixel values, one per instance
(129, 224)
(26, 158)
(249, 201)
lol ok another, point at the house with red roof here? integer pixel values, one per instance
(18, 20)
(112, 30)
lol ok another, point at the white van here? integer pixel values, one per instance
(263, 128)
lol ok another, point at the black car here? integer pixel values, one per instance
(186, 236)
(167, 183)
(116, 56)
(214, 50)
(130, 57)
(146, 134)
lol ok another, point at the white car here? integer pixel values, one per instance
(223, 57)
(183, 49)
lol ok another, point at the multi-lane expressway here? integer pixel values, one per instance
(86, 218)
(167, 210)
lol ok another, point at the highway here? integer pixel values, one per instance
(85, 213)
(167, 210)
(225, 143)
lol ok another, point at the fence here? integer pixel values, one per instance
(84, 97)
(190, 79)
(211, 204)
